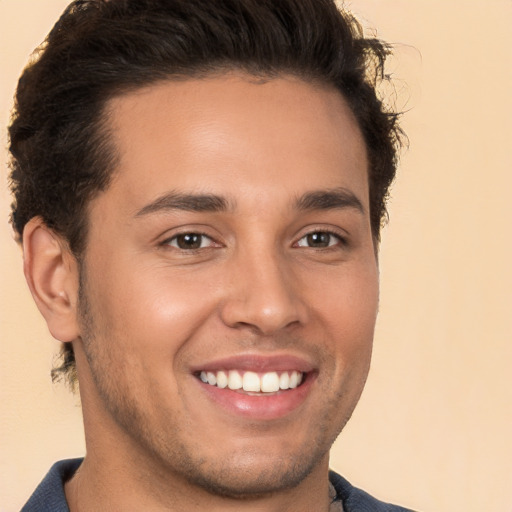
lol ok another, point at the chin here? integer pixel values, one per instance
(250, 479)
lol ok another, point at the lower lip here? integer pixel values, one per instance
(262, 407)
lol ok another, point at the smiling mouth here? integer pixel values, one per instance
(252, 382)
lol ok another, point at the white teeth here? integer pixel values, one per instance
(284, 381)
(251, 382)
(222, 379)
(269, 382)
(234, 380)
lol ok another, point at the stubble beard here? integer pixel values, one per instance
(161, 450)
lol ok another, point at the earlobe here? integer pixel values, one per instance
(51, 272)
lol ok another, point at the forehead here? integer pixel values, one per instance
(235, 136)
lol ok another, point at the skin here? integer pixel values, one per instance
(149, 313)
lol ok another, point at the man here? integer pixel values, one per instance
(199, 188)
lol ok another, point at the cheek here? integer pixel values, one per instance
(345, 311)
(155, 309)
(347, 302)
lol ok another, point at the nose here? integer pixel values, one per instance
(263, 294)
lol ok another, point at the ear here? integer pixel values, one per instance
(51, 272)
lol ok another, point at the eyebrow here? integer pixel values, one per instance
(338, 198)
(186, 202)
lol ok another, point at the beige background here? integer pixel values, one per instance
(433, 429)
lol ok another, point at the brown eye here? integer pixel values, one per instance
(190, 241)
(319, 240)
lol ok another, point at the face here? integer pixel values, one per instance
(230, 285)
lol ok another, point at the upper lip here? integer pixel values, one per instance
(257, 363)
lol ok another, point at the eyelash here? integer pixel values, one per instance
(341, 240)
(169, 241)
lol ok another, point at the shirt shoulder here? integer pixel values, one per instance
(356, 500)
(49, 495)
